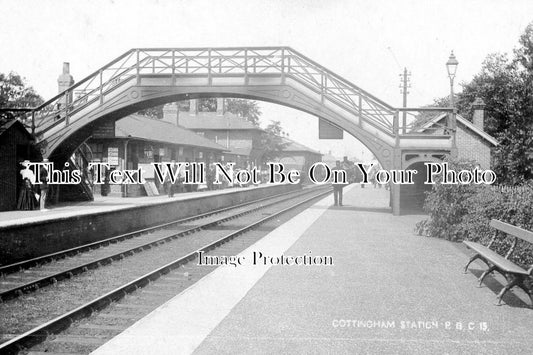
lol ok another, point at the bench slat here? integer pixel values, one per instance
(512, 230)
(496, 259)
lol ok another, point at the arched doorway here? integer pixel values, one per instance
(412, 196)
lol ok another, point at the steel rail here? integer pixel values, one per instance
(19, 266)
(62, 322)
(96, 263)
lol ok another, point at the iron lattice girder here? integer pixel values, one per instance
(179, 63)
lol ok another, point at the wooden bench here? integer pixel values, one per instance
(514, 274)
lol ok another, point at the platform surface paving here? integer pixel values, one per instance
(388, 292)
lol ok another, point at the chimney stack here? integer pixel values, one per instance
(65, 81)
(479, 113)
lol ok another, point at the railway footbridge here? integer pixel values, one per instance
(142, 78)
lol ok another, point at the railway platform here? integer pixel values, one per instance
(388, 291)
(100, 204)
(29, 234)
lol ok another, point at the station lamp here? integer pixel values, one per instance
(451, 66)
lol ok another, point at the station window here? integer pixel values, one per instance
(97, 150)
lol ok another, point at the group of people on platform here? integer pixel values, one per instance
(32, 196)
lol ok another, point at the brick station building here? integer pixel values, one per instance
(240, 138)
(473, 143)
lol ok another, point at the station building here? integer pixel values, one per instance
(240, 138)
(136, 141)
(297, 156)
(473, 143)
(185, 134)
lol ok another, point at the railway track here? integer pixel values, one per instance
(30, 275)
(27, 318)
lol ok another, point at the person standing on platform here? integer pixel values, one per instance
(169, 184)
(180, 186)
(27, 173)
(187, 187)
(43, 174)
(177, 184)
(27, 197)
(210, 177)
(337, 186)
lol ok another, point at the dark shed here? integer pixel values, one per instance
(15, 147)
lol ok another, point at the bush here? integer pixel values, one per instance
(483, 206)
(458, 212)
(446, 205)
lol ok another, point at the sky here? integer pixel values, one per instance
(367, 42)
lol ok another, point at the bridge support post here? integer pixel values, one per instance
(395, 188)
(395, 196)
(33, 123)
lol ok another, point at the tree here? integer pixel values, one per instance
(152, 112)
(496, 84)
(15, 94)
(506, 86)
(272, 142)
(157, 111)
(247, 109)
(524, 54)
(207, 105)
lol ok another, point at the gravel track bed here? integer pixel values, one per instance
(23, 313)
(88, 334)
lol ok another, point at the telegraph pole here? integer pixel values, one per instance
(404, 85)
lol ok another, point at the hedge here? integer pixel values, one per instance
(463, 212)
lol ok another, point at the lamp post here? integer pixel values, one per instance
(125, 186)
(451, 66)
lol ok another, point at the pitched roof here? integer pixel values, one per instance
(292, 146)
(463, 121)
(210, 121)
(240, 151)
(142, 127)
(5, 126)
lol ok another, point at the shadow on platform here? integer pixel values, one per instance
(361, 208)
(510, 299)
